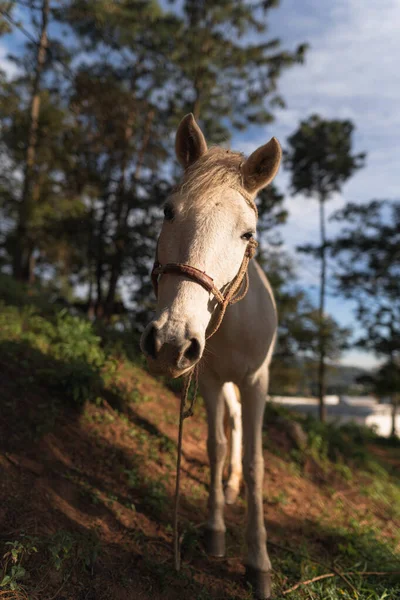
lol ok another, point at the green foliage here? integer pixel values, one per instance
(320, 160)
(348, 443)
(58, 551)
(74, 338)
(59, 350)
(368, 271)
(103, 161)
(293, 367)
(345, 446)
(155, 491)
(319, 157)
(210, 40)
(6, 8)
(17, 552)
(73, 350)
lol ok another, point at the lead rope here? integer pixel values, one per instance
(182, 416)
(231, 296)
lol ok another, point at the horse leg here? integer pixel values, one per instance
(213, 394)
(258, 565)
(235, 459)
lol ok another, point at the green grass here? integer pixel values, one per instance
(62, 351)
(351, 551)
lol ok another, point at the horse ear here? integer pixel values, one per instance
(262, 166)
(190, 142)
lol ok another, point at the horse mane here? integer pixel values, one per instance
(215, 169)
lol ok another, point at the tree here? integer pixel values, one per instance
(297, 347)
(320, 161)
(161, 71)
(115, 102)
(24, 248)
(36, 201)
(367, 253)
(222, 77)
(96, 152)
(387, 383)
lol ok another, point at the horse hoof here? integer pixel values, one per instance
(231, 494)
(260, 582)
(214, 542)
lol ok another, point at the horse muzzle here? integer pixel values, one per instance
(171, 355)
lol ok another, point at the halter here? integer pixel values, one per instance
(232, 293)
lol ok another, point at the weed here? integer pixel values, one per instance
(17, 552)
(133, 478)
(59, 551)
(280, 498)
(167, 445)
(155, 491)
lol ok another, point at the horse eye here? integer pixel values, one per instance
(168, 212)
(247, 236)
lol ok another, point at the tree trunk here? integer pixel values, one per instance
(89, 252)
(322, 350)
(394, 414)
(100, 246)
(23, 262)
(120, 235)
(197, 103)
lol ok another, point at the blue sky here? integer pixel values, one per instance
(351, 72)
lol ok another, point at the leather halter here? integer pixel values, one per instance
(188, 271)
(232, 292)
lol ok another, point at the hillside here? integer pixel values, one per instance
(87, 457)
(343, 377)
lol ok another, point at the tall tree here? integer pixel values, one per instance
(42, 200)
(293, 368)
(223, 75)
(115, 103)
(98, 162)
(23, 268)
(167, 64)
(368, 271)
(320, 161)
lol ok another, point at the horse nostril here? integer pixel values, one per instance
(149, 342)
(193, 351)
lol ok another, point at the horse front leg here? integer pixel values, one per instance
(258, 565)
(212, 392)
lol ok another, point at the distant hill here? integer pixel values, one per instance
(344, 378)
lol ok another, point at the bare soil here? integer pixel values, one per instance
(106, 477)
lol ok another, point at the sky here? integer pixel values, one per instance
(351, 72)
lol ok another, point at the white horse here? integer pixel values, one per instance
(209, 220)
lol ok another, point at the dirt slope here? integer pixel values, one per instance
(87, 495)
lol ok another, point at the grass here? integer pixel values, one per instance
(353, 551)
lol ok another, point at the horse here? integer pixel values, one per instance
(209, 225)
